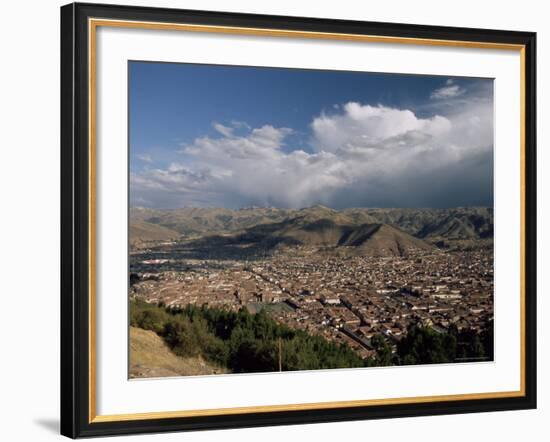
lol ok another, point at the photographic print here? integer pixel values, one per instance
(272, 220)
(293, 219)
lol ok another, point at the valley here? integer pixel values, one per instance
(355, 277)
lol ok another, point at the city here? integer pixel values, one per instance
(344, 298)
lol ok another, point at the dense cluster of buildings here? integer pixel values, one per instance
(344, 298)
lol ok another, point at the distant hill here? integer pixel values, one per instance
(190, 221)
(457, 223)
(365, 239)
(142, 231)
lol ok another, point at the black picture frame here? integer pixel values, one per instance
(75, 220)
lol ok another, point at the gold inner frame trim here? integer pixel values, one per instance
(93, 24)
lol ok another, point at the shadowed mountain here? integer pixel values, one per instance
(321, 232)
(366, 239)
(384, 240)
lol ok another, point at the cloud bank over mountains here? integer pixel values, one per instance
(358, 155)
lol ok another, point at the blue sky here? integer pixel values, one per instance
(204, 135)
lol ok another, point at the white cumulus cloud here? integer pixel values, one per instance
(450, 90)
(146, 158)
(359, 155)
(364, 126)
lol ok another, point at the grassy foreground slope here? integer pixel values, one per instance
(151, 357)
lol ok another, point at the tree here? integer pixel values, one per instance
(487, 339)
(383, 350)
(423, 345)
(179, 335)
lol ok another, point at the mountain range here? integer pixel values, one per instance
(455, 223)
(367, 231)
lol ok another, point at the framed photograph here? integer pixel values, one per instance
(280, 220)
